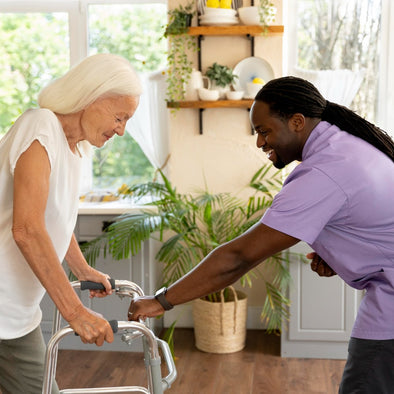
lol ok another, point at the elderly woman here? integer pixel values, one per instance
(40, 159)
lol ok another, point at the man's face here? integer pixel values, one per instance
(275, 136)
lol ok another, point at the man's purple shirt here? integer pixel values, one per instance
(340, 200)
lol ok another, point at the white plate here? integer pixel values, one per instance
(250, 68)
(218, 21)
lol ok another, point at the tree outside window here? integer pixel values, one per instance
(34, 49)
(338, 34)
(134, 32)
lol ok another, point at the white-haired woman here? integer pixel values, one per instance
(40, 160)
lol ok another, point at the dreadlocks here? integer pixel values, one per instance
(289, 95)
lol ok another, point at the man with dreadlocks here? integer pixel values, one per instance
(339, 200)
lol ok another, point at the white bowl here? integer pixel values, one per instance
(208, 94)
(234, 95)
(249, 15)
(253, 88)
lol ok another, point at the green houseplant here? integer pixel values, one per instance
(267, 13)
(179, 44)
(221, 77)
(190, 226)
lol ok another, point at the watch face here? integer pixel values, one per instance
(163, 290)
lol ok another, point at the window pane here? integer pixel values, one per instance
(34, 50)
(133, 31)
(336, 34)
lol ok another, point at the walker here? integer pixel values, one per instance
(131, 330)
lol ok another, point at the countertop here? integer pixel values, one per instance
(118, 207)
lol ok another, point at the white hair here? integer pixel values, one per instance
(97, 76)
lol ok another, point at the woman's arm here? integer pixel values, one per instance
(31, 188)
(83, 271)
(222, 267)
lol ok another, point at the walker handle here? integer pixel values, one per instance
(88, 285)
(112, 323)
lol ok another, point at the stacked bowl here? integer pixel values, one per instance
(218, 16)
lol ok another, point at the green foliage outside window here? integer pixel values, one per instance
(133, 32)
(35, 49)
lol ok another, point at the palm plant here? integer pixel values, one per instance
(190, 226)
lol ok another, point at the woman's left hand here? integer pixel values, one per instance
(99, 277)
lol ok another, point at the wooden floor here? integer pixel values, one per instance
(257, 369)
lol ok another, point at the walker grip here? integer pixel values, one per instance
(112, 323)
(88, 285)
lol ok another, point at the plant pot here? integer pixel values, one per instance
(220, 327)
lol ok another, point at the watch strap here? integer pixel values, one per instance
(161, 297)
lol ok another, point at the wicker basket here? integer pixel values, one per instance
(220, 327)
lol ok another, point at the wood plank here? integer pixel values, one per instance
(258, 369)
(246, 103)
(236, 30)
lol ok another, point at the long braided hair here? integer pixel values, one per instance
(289, 95)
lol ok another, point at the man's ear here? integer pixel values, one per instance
(297, 122)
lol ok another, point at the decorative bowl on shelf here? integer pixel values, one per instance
(234, 94)
(253, 88)
(249, 15)
(208, 94)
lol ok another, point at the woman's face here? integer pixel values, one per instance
(106, 117)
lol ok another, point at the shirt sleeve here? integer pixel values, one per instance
(307, 202)
(36, 125)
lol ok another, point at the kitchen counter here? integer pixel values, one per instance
(118, 207)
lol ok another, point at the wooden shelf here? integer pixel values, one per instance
(237, 30)
(250, 32)
(246, 103)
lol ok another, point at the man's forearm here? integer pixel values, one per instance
(219, 269)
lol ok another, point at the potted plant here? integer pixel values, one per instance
(267, 13)
(190, 226)
(221, 78)
(179, 43)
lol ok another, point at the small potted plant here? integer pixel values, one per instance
(179, 19)
(221, 78)
(179, 65)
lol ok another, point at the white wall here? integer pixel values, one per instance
(225, 157)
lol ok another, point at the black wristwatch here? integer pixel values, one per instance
(160, 296)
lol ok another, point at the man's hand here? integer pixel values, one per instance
(320, 266)
(143, 307)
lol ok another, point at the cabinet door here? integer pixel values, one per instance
(322, 313)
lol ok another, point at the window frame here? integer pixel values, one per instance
(77, 11)
(385, 99)
(77, 17)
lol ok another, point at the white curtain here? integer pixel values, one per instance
(149, 125)
(338, 86)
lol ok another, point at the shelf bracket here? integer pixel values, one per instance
(199, 39)
(251, 38)
(200, 120)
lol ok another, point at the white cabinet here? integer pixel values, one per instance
(140, 269)
(322, 313)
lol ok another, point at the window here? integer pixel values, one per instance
(30, 56)
(133, 31)
(42, 43)
(337, 34)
